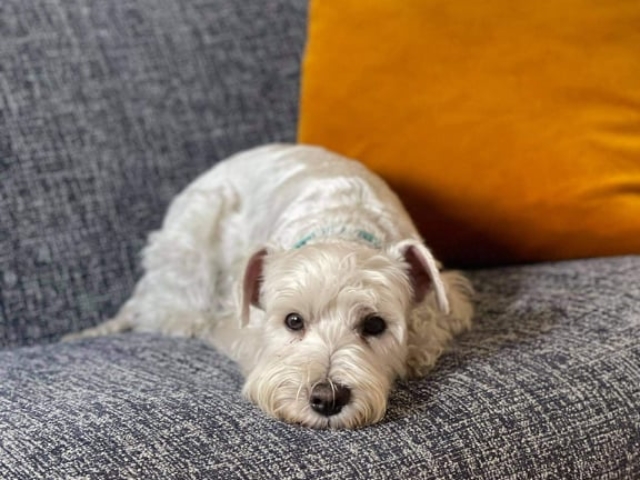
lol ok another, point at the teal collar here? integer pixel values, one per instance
(347, 232)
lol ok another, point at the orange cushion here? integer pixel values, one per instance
(510, 128)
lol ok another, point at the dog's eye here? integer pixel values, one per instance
(294, 322)
(372, 326)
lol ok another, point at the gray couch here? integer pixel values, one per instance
(107, 109)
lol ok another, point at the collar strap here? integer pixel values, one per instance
(355, 234)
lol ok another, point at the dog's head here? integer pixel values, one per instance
(334, 321)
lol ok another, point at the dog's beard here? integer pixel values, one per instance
(282, 388)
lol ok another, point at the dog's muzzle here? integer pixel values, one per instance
(328, 398)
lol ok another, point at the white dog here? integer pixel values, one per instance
(304, 267)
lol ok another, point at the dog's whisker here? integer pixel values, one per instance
(299, 392)
(333, 388)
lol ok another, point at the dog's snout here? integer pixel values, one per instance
(328, 399)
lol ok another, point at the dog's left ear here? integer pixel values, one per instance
(251, 284)
(423, 272)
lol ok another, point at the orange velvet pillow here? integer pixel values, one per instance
(511, 129)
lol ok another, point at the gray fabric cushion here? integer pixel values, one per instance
(107, 109)
(547, 386)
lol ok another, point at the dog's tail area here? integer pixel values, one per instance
(120, 323)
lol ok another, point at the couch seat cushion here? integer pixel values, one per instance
(547, 385)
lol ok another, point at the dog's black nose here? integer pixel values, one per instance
(328, 399)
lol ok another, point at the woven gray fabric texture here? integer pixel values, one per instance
(107, 109)
(547, 386)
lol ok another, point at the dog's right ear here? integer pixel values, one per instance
(251, 283)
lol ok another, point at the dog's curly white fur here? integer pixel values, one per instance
(304, 267)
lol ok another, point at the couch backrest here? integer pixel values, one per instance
(108, 109)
